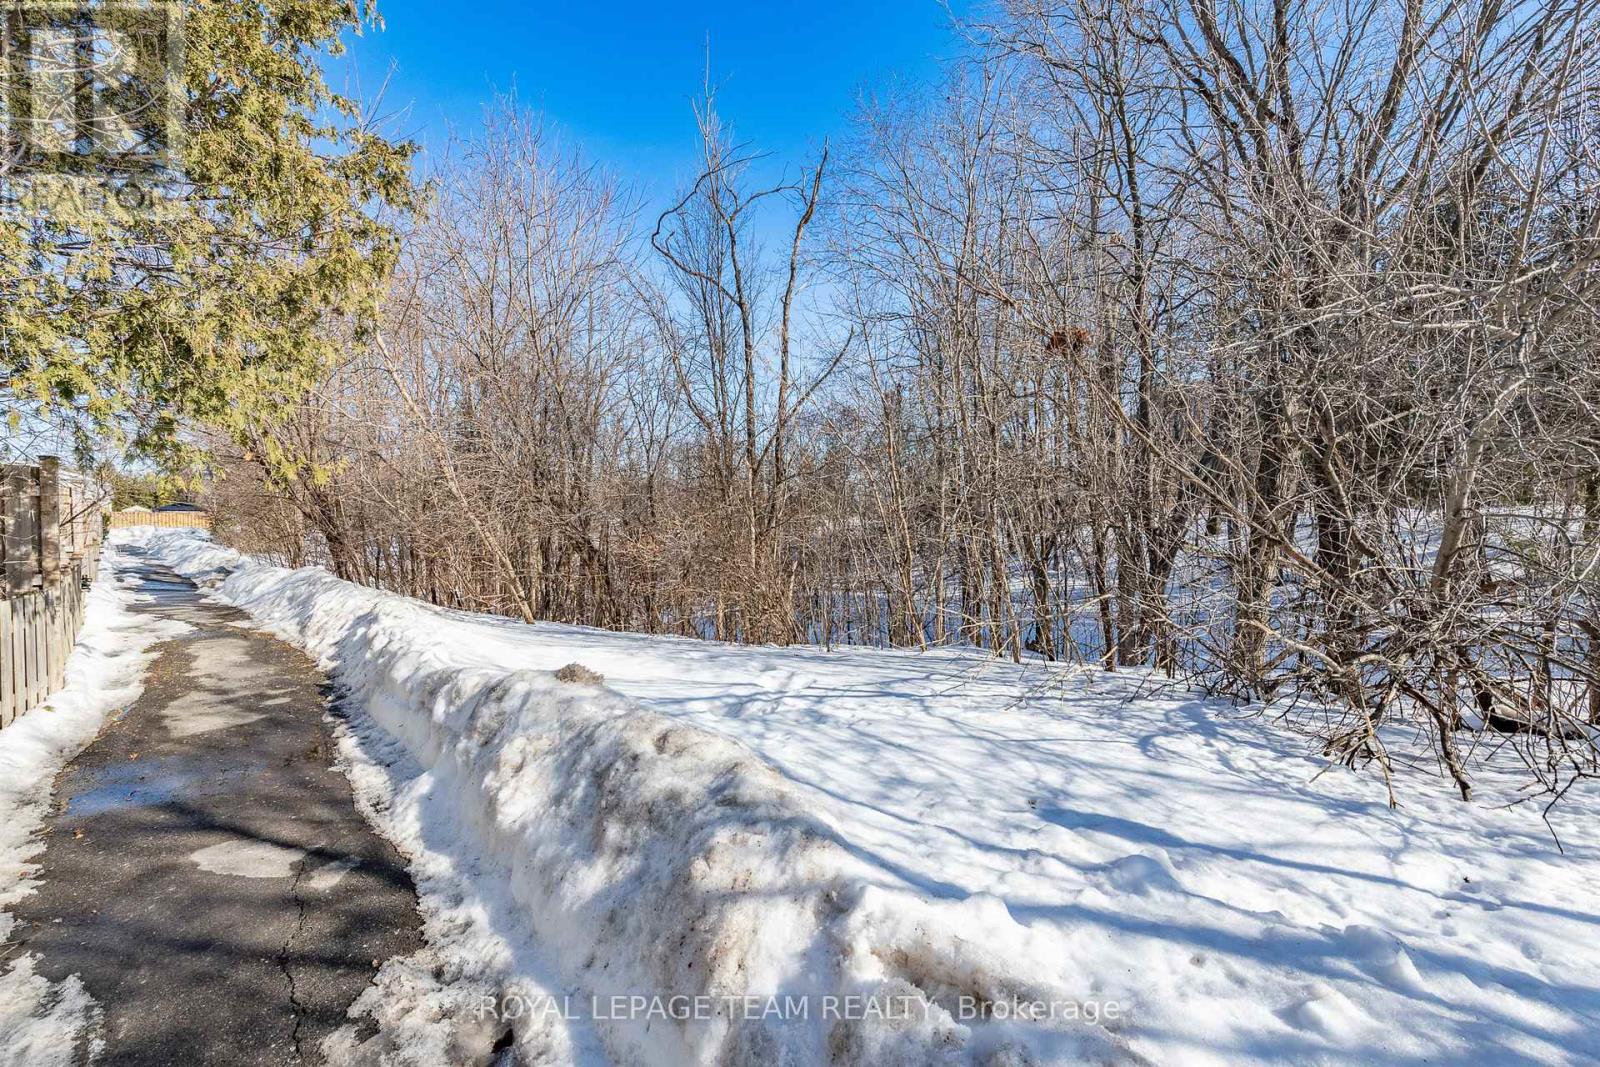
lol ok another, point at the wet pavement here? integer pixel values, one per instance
(206, 875)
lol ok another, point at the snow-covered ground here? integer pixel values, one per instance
(955, 841)
(41, 1022)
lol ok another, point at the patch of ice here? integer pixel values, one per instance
(329, 874)
(199, 713)
(248, 859)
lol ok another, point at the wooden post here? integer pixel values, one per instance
(49, 519)
(22, 530)
(5, 528)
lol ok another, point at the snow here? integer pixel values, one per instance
(40, 1021)
(1024, 865)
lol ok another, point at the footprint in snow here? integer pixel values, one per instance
(1142, 873)
(1326, 1011)
(1383, 956)
(782, 681)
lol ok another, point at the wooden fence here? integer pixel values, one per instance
(51, 526)
(198, 520)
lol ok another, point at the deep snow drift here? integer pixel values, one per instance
(40, 1022)
(952, 840)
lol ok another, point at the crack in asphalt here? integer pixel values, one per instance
(295, 1006)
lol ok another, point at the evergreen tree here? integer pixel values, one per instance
(135, 299)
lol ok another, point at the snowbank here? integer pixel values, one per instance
(951, 840)
(38, 1020)
(656, 860)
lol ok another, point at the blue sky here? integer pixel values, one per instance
(618, 76)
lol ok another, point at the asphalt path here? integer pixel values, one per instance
(207, 876)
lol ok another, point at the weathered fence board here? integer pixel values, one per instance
(8, 660)
(49, 555)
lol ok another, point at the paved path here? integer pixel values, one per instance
(207, 875)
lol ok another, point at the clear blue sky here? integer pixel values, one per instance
(618, 76)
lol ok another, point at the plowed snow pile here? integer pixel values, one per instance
(760, 856)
